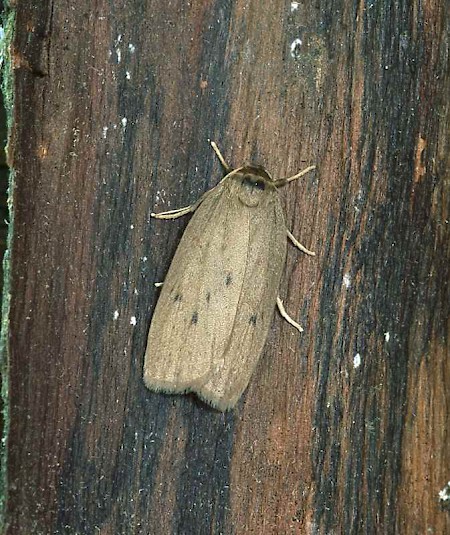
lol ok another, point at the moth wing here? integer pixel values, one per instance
(196, 310)
(265, 261)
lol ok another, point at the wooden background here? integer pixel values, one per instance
(344, 429)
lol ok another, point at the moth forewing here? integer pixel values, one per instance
(254, 312)
(172, 341)
(217, 301)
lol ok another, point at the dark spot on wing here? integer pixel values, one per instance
(208, 297)
(252, 319)
(194, 319)
(177, 298)
(229, 279)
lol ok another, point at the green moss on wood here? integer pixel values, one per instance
(8, 23)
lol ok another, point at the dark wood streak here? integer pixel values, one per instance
(317, 444)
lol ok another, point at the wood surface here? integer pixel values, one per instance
(344, 429)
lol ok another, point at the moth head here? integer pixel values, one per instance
(253, 184)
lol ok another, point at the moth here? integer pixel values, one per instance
(217, 300)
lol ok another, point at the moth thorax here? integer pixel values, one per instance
(252, 188)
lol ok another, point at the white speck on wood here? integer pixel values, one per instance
(295, 47)
(357, 361)
(444, 494)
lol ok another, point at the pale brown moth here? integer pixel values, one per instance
(217, 300)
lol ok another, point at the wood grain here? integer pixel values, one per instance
(342, 430)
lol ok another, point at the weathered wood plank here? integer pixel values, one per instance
(342, 430)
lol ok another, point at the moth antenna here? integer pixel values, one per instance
(221, 158)
(283, 181)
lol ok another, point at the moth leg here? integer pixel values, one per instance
(300, 174)
(221, 158)
(173, 214)
(283, 181)
(286, 316)
(299, 245)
